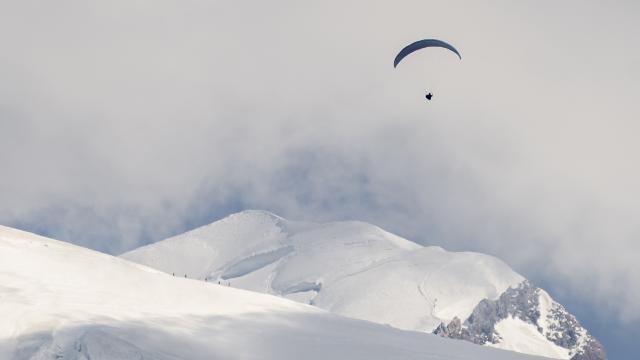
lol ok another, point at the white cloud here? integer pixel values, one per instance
(127, 120)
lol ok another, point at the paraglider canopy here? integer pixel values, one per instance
(421, 44)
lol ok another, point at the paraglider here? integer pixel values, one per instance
(421, 44)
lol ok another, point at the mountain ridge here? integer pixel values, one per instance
(351, 268)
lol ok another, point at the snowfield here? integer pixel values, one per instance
(60, 301)
(360, 271)
(349, 268)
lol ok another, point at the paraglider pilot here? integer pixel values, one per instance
(421, 44)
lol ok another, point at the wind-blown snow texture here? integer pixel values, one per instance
(61, 301)
(358, 270)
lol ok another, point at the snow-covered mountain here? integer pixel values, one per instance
(60, 301)
(358, 270)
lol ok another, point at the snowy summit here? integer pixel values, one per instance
(360, 271)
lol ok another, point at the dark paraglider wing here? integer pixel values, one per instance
(421, 44)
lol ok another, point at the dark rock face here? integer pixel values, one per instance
(523, 302)
(455, 331)
(593, 351)
(564, 330)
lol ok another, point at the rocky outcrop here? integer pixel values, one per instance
(454, 330)
(592, 351)
(531, 305)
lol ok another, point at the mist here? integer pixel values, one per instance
(125, 122)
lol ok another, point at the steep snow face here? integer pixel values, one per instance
(349, 268)
(524, 337)
(60, 301)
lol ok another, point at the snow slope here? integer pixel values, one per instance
(350, 268)
(521, 336)
(60, 301)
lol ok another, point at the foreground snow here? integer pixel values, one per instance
(358, 270)
(60, 301)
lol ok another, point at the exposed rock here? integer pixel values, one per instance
(592, 351)
(523, 302)
(454, 330)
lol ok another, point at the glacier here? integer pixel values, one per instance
(358, 270)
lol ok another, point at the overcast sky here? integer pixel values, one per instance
(124, 122)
